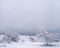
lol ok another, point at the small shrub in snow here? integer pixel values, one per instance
(33, 38)
(24, 38)
(9, 37)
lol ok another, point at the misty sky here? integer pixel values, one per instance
(27, 14)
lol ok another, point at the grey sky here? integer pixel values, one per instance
(27, 14)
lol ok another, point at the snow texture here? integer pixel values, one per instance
(25, 42)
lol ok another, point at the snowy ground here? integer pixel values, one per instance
(27, 44)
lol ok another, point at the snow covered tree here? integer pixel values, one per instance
(10, 36)
(45, 36)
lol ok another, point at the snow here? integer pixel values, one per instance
(27, 44)
(1, 36)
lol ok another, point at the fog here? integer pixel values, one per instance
(25, 15)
